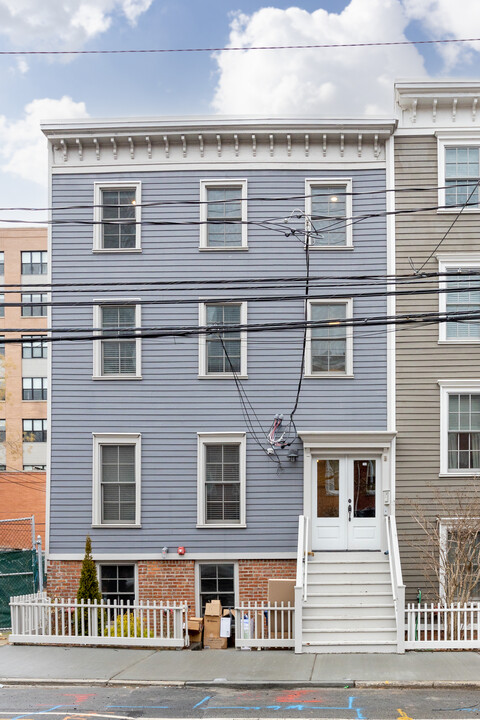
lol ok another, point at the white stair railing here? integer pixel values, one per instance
(301, 583)
(398, 588)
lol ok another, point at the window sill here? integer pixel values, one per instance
(454, 210)
(116, 250)
(222, 376)
(115, 527)
(462, 473)
(239, 248)
(211, 526)
(117, 377)
(34, 401)
(467, 341)
(331, 247)
(330, 376)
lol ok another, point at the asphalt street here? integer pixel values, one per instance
(130, 703)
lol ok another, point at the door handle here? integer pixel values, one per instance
(349, 511)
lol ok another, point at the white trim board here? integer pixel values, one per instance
(139, 556)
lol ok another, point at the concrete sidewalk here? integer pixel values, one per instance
(108, 666)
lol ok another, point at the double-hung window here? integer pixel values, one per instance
(33, 347)
(31, 304)
(34, 262)
(223, 215)
(116, 479)
(221, 479)
(2, 263)
(118, 354)
(329, 339)
(3, 431)
(328, 208)
(216, 581)
(34, 431)
(117, 583)
(459, 298)
(458, 174)
(34, 388)
(223, 347)
(117, 217)
(460, 427)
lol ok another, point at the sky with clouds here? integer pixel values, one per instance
(326, 82)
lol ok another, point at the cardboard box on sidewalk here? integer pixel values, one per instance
(281, 591)
(212, 626)
(195, 628)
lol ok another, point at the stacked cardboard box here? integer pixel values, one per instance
(281, 591)
(216, 626)
(195, 627)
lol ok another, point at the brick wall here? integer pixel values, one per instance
(174, 579)
(63, 577)
(253, 576)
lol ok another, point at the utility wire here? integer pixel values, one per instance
(451, 225)
(251, 198)
(253, 282)
(311, 46)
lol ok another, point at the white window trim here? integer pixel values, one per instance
(97, 215)
(202, 343)
(444, 142)
(100, 439)
(213, 438)
(119, 562)
(349, 342)
(346, 185)
(446, 261)
(97, 344)
(215, 561)
(445, 524)
(227, 183)
(447, 388)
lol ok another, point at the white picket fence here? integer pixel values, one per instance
(36, 619)
(263, 625)
(439, 627)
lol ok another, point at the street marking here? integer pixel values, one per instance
(80, 698)
(208, 697)
(402, 715)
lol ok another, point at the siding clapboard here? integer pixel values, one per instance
(170, 404)
(420, 360)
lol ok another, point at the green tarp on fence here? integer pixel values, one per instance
(18, 576)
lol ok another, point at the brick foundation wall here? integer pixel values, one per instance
(174, 579)
(253, 576)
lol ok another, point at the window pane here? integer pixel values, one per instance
(224, 215)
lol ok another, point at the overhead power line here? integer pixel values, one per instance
(250, 282)
(310, 46)
(251, 198)
(195, 330)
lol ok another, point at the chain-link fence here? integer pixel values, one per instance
(19, 573)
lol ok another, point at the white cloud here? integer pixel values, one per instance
(335, 81)
(22, 144)
(63, 24)
(449, 19)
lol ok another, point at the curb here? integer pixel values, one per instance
(248, 684)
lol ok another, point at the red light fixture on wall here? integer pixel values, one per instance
(181, 550)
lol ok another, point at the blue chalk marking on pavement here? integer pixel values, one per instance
(208, 697)
(309, 706)
(40, 712)
(138, 707)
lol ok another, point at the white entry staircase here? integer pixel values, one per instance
(349, 602)
(350, 606)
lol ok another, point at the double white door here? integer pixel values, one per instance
(345, 503)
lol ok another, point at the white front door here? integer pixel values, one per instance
(345, 503)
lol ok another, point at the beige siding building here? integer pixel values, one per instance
(24, 374)
(438, 364)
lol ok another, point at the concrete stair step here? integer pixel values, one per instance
(348, 623)
(329, 598)
(354, 609)
(342, 635)
(354, 577)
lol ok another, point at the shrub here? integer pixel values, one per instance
(125, 623)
